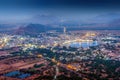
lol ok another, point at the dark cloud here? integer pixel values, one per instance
(61, 3)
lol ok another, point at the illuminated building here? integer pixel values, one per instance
(64, 30)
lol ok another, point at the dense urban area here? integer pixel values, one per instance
(66, 55)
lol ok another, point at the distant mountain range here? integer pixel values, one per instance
(37, 28)
(50, 22)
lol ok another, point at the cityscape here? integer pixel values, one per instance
(38, 42)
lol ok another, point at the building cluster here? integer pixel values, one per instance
(86, 55)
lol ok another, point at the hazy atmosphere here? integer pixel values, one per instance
(59, 39)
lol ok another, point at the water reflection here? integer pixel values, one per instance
(17, 74)
(83, 44)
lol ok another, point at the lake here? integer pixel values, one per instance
(83, 44)
(17, 74)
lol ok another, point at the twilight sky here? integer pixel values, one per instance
(53, 11)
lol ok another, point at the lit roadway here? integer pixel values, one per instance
(61, 65)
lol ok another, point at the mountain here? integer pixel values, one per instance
(35, 29)
(49, 22)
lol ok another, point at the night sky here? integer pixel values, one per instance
(25, 11)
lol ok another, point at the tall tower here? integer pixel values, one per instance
(64, 30)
